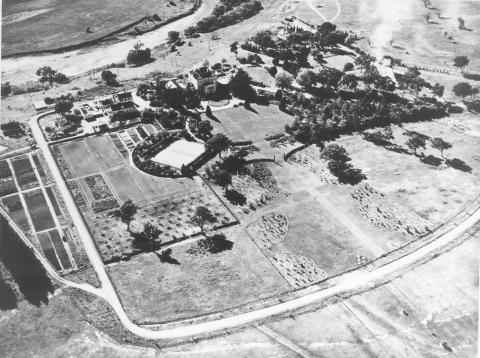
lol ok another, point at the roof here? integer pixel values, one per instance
(39, 105)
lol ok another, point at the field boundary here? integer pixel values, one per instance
(103, 38)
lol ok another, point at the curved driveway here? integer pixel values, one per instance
(347, 283)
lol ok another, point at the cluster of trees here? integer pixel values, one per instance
(227, 12)
(170, 118)
(175, 97)
(47, 74)
(6, 89)
(138, 56)
(217, 144)
(340, 166)
(124, 115)
(201, 128)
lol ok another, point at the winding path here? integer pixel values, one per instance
(332, 19)
(347, 283)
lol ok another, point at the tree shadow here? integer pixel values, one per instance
(212, 117)
(459, 164)
(249, 107)
(431, 160)
(166, 257)
(218, 243)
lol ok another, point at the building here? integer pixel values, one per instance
(204, 80)
(122, 97)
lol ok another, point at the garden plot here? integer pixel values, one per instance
(53, 200)
(77, 194)
(257, 192)
(310, 159)
(24, 173)
(98, 193)
(14, 208)
(298, 271)
(39, 212)
(180, 153)
(45, 175)
(123, 135)
(270, 230)
(383, 212)
(119, 145)
(7, 183)
(133, 135)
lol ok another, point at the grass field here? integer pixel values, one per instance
(153, 291)
(242, 124)
(34, 25)
(92, 155)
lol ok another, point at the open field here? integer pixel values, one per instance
(414, 40)
(242, 124)
(433, 192)
(154, 291)
(33, 25)
(425, 312)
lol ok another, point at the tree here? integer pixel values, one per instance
(326, 28)
(202, 217)
(348, 67)
(204, 129)
(138, 56)
(126, 212)
(463, 89)
(307, 78)
(461, 61)
(147, 239)
(240, 84)
(223, 178)
(263, 39)
(415, 142)
(440, 145)
(283, 79)
(6, 89)
(173, 36)
(109, 77)
(63, 106)
(364, 60)
(350, 81)
(192, 98)
(335, 152)
(234, 48)
(218, 143)
(47, 74)
(438, 90)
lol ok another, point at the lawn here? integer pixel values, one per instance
(152, 291)
(130, 183)
(242, 124)
(34, 25)
(261, 75)
(91, 155)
